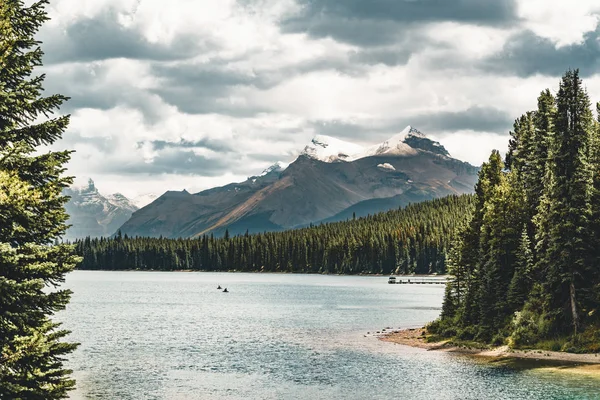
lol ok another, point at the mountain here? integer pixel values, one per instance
(417, 140)
(330, 181)
(92, 214)
(328, 149)
(144, 199)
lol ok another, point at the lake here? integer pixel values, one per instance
(173, 335)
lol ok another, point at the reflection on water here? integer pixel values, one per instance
(175, 336)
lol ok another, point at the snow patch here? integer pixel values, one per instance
(393, 146)
(328, 149)
(118, 200)
(387, 166)
(277, 167)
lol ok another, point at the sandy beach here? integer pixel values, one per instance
(587, 364)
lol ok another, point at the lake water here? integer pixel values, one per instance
(153, 335)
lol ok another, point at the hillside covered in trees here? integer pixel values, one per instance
(526, 268)
(414, 239)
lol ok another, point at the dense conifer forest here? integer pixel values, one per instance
(526, 268)
(414, 239)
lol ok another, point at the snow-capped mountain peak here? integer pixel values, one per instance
(418, 140)
(93, 214)
(277, 167)
(119, 200)
(414, 132)
(408, 142)
(329, 149)
(83, 185)
(394, 145)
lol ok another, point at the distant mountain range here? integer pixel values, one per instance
(93, 214)
(331, 180)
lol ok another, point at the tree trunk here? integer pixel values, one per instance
(574, 307)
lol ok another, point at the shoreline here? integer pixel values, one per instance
(258, 272)
(588, 363)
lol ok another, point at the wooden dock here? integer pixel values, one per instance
(418, 280)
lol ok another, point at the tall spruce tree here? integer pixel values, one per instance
(32, 216)
(500, 237)
(565, 260)
(595, 222)
(521, 282)
(490, 176)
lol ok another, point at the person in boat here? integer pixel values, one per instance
(219, 287)
(225, 290)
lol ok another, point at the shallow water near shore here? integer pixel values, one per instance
(160, 335)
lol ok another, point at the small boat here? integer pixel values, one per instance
(225, 290)
(219, 287)
(392, 280)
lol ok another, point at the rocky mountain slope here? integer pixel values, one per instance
(330, 180)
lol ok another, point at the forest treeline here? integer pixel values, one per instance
(414, 239)
(526, 268)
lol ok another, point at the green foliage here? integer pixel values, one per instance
(527, 327)
(411, 240)
(528, 261)
(32, 217)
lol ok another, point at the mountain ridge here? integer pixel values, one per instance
(321, 183)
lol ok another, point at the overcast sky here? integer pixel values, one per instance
(196, 93)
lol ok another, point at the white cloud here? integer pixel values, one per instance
(250, 94)
(563, 21)
(473, 147)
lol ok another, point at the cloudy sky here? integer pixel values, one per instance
(196, 93)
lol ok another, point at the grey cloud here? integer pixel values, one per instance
(479, 119)
(213, 74)
(206, 143)
(358, 32)
(207, 88)
(86, 86)
(103, 37)
(348, 130)
(72, 138)
(346, 66)
(526, 54)
(389, 56)
(474, 118)
(270, 158)
(373, 23)
(189, 100)
(203, 89)
(173, 161)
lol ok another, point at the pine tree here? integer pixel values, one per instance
(500, 236)
(490, 176)
(594, 296)
(32, 217)
(455, 287)
(522, 281)
(565, 261)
